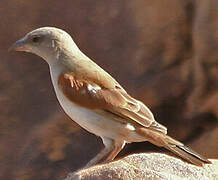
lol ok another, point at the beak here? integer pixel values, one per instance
(18, 45)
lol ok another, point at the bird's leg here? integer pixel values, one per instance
(117, 147)
(110, 151)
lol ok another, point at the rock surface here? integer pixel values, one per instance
(148, 166)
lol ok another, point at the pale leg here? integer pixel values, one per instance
(110, 151)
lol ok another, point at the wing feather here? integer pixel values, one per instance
(93, 96)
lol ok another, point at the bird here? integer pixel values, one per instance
(92, 98)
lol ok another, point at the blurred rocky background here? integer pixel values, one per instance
(164, 53)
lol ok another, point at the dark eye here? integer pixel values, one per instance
(36, 39)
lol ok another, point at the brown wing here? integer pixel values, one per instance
(93, 96)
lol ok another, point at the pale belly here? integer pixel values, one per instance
(89, 120)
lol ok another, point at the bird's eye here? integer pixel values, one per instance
(36, 39)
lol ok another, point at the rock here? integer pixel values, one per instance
(148, 166)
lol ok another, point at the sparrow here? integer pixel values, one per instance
(95, 100)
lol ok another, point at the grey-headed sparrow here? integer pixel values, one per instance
(95, 100)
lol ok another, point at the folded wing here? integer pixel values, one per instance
(91, 95)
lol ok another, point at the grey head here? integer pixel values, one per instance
(46, 42)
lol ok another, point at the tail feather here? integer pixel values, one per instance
(184, 152)
(175, 146)
(188, 154)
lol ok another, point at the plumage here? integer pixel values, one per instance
(114, 100)
(95, 100)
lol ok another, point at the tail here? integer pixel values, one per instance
(163, 140)
(185, 152)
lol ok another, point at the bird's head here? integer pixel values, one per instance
(46, 42)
